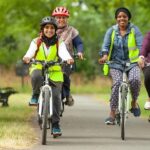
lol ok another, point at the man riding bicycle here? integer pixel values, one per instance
(71, 37)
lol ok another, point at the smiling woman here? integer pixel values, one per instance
(49, 30)
(122, 42)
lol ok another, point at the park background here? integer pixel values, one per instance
(20, 21)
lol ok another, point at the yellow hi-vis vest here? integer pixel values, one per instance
(55, 72)
(133, 49)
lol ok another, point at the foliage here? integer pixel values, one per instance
(20, 23)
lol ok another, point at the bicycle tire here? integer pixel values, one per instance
(62, 108)
(45, 115)
(123, 105)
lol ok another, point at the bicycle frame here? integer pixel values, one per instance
(123, 103)
(124, 84)
(41, 101)
(46, 86)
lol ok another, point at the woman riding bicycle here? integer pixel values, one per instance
(48, 47)
(124, 45)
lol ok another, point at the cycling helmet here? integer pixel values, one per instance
(48, 20)
(60, 11)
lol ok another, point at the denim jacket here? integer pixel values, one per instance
(120, 45)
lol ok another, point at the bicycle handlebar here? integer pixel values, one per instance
(76, 56)
(124, 63)
(45, 63)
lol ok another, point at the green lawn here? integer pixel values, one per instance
(16, 130)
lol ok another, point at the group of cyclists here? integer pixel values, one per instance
(57, 40)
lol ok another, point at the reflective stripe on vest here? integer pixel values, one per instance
(55, 72)
(133, 50)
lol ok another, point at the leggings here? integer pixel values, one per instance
(134, 83)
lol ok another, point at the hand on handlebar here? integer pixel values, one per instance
(26, 60)
(70, 61)
(80, 55)
(141, 62)
(103, 59)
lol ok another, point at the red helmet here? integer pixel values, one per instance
(60, 11)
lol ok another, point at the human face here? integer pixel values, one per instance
(62, 21)
(49, 30)
(122, 20)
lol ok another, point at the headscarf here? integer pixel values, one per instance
(50, 41)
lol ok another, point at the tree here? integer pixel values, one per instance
(20, 23)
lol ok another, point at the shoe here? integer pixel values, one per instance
(33, 101)
(110, 121)
(56, 131)
(147, 105)
(136, 111)
(69, 101)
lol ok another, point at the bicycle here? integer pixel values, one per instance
(72, 68)
(123, 106)
(124, 101)
(45, 102)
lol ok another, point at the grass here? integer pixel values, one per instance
(16, 131)
(98, 85)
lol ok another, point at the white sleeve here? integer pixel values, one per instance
(63, 52)
(32, 49)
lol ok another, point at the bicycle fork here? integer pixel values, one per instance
(41, 103)
(127, 102)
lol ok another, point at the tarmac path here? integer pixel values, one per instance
(83, 128)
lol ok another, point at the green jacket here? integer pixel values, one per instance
(55, 72)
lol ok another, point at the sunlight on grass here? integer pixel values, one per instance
(16, 130)
(98, 85)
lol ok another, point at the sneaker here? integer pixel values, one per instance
(33, 101)
(147, 105)
(136, 111)
(110, 121)
(69, 101)
(56, 131)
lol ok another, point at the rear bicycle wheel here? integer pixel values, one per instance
(62, 108)
(122, 115)
(45, 115)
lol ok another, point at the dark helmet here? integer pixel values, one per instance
(48, 20)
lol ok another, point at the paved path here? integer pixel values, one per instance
(84, 129)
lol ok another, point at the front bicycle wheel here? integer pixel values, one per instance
(45, 115)
(122, 114)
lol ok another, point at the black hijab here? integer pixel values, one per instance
(50, 41)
